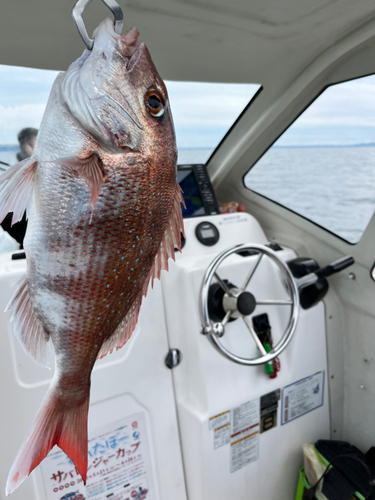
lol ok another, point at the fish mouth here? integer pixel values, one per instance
(130, 45)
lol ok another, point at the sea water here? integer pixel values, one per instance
(185, 156)
(8, 155)
(331, 186)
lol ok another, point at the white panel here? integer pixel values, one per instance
(207, 384)
(233, 228)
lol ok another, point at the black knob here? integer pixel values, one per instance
(246, 303)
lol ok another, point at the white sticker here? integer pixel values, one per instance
(302, 397)
(244, 440)
(244, 448)
(245, 415)
(219, 420)
(232, 219)
(118, 466)
(222, 435)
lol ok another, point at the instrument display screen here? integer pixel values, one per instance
(193, 200)
(208, 233)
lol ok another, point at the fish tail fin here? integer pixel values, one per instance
(55, 423)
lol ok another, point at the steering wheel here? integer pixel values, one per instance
(238, 302)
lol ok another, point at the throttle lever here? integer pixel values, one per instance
(335, 267)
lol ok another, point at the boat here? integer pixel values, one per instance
(260, 338)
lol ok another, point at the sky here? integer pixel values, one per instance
(343, 114)
(202, 112)
(23, 96)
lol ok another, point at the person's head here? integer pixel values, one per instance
(26, 137)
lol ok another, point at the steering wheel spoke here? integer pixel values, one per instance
(274, 302)
(223, 285)
(226, 318)
(251, 273)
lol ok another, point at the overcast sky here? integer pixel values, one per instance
(343, 114)
(202, 112)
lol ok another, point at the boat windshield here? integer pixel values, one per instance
(322, 166)
(202, 112)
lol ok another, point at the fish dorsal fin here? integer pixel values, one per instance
(27, 328)
(89, 168)
(16, 189)
(170, 241)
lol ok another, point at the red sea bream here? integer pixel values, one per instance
(104, 216)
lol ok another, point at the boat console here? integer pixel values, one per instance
(223, 380)
(235, 420)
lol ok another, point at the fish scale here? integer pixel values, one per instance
(105, 233)
(104, 215)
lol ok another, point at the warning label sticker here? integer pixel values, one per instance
(245, 415)
(244, 439)
(219, 420)
(119, 466)
(222, 435)
(302, 397)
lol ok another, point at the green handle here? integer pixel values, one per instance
(268, 367)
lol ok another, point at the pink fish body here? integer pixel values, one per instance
(104, 217)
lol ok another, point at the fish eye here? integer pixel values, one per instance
(154, 103)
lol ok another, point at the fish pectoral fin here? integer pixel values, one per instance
(16, 189)
(89, 168)
(27, 327)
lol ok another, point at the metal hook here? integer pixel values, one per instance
(77, 12)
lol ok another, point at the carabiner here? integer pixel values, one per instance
(77, 12)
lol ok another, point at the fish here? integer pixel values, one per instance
(104, 217)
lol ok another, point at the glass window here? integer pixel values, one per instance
(23, 98)
(202, 112)
(323, 166)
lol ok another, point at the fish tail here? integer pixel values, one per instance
(60, 422)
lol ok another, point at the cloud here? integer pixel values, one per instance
(14, 118)
(28, 75)
(204, 112)
(31, 114)
(343, 114)
(208, 105)
(345, 104)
